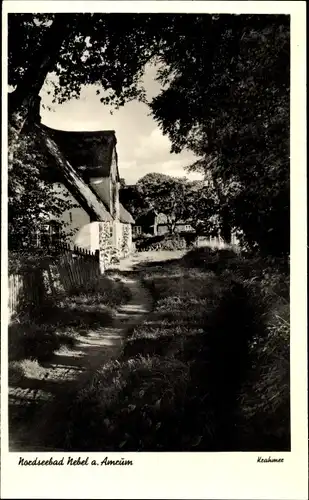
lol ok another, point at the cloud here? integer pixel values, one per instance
(132, 171)
(155, 145)
(141, 146)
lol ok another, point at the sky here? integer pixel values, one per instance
(141, 146)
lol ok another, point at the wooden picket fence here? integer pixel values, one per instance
(15, 289)
(67, 270)
(77, 268)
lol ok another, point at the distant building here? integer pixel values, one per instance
(162, 226)
(153, 223)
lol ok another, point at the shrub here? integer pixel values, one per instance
(173, 242)
(161, 242)
(25, 368)
(20, 262)
(198, 257)
(32, 341)
(265, 397)
(146, 242)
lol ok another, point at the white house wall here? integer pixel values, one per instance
(87, 237)
(74, 218)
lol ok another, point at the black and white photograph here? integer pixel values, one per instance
(148, 233)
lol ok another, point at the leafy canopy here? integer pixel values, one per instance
(110, 50)
(227, 100)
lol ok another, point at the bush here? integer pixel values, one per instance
(20, 262)
(161, 242)
(28, 340)
(146, 242)
(265, 396)
(209, 258)
(173, 242)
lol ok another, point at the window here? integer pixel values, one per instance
(51, 234)
(54, 232)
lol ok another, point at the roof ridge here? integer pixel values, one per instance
(100, 131)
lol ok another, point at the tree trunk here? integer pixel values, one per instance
(171, 227)
(24, 98)
(226, 230)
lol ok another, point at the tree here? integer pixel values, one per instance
(202, 208)
(31, 199)
(195, 202)
(227, 99)
(109, 50)
(166, 195)
(133, 200)
(32, 54)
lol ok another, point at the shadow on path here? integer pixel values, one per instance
(70, 368)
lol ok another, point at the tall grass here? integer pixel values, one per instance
(207, 370)
(262, 410)
(120, 410)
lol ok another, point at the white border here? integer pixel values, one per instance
(184, 475)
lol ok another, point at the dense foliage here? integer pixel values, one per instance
(227, 99)
(110, 50)
(132, 199)
(166, 195)
(178, 199)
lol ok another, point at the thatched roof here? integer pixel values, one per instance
(82, 192)
(80, 156)
(125, 216)
(103, 193)
(90, 153)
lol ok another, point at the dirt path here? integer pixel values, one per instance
(71, 368)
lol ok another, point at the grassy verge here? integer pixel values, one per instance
(208, 370)
(34, 338)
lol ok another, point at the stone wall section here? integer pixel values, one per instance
(126, 246)
(115, 242)
(105, 245)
